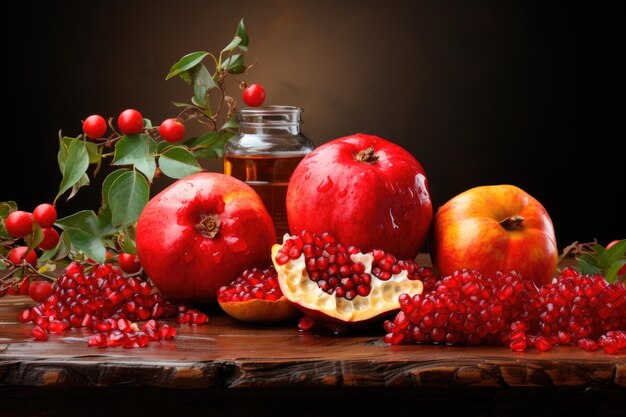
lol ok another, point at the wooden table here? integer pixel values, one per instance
(232, 368)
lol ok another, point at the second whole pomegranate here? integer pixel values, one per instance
(366, 191)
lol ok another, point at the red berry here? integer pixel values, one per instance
(17, 255)
(40, 290)
(24, 286)
(254, 95)
(129, 263)
(130, 122)
(95, 126)
(50, 238)
(45, 215)
(19, 223)
(172, 130)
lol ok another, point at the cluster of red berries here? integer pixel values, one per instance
(465, 308)
(20, 224)
(130, 122)
(107, 302)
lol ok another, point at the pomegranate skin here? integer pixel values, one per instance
(188, 259)
(379, 202)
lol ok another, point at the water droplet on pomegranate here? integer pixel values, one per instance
(187, 257)
(236, 244)
(393, 220)
(217, 257)
(325, 185)
(390, 187)
(420, 184)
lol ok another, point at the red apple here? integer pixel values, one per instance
(200, 233)
(366, 191)
(492, 228)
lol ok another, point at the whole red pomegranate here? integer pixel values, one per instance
(200, 233)
(366, 191)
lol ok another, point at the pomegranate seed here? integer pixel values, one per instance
(56, 326)
(518, 345)
(39, 333)
(306, 323)
(542, 344)
(587, 344)
(394, 338)
(199, 318)
(97, 340)
(25, 316)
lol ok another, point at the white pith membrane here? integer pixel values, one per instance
(298, 288)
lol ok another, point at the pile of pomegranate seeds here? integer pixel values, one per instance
(465, 308)
(328, 263)
(252, 284)
(107, 302)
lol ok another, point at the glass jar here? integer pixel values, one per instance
(265, 153)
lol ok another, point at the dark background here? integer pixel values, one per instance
(480, 92)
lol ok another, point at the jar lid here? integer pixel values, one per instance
(270, 115)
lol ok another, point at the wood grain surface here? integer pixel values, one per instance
(227, 354)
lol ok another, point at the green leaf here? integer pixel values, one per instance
(47, 254)
(206, 139)
(3, 266)
(589, 264)
(163, 146)
(202, 84)
(106, 184)
(128, 243)
(83, 181)
(233, 44)
(84, 233)
(613, 254)
(186, 77)
(75, 165)
(147, 123)
(178, 162)
(64, 247)
(234, 64)
(137, 150)
(6, 208)
(104, 222)
(611, 274)
(128, 195)
(241, 32)
(35, 237)
(64, 144)
(180, 105)
(186, 62)
(231, 123)
(216, 149)
(92, 151)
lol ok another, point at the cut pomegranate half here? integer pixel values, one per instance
(340, 285)
(254, 296)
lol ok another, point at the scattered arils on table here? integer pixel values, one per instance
(103, 299)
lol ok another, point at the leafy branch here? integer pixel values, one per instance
(138, 159)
